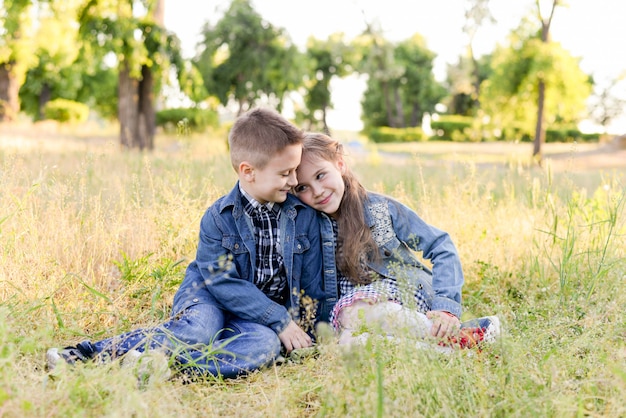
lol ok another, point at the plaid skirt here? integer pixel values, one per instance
(379, 291)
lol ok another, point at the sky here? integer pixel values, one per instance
(589, 29)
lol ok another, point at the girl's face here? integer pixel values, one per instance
(320, 184)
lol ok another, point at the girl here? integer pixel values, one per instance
(380, 281)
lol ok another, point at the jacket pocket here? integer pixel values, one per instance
(234, 244)
(301, 245)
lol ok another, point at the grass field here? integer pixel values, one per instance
(94, 242)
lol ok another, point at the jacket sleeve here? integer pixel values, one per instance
(222, 276)
(436, 246)
(311, 267)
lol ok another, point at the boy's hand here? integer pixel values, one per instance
(293, 337)
(444, 324)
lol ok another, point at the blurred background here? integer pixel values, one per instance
(394, 71)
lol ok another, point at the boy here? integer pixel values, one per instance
(259, 248)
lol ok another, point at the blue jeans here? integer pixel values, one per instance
(203, 340)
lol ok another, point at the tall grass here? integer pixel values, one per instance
(94, 242)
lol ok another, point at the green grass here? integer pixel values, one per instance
(94, 242)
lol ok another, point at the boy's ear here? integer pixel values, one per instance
(246, 171)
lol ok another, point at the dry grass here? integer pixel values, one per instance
(94, 242)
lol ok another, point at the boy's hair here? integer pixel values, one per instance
(355, 243)
(258, 135)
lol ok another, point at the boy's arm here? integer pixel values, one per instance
(234, 293)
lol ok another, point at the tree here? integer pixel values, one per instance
(510, 95)
(243, 59)
(327, 59)
(143, 50)
(540, 131)
(16, 53)
(419, 91)
(57, 73)
(475, 16)
(378, 63)
(401, 85)
(607, 103)
(463, 81)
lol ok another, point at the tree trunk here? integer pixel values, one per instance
(146, 112)
(325, 128)
(127, 107)
(44, 98)
(9, 89)
(136, 111)
(475, 81)
(388, 108)
(415, 111)
(399, 122)
(159, 13)
(540, 132)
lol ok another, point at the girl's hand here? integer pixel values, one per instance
(444, 324)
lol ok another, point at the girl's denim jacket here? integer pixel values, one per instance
(399, 231)
(224, 269)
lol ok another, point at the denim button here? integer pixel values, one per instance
(195, 300)
(299, 246)
(236, 246)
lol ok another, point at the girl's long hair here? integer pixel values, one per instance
(355, 244)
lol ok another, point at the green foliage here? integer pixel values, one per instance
(56, 73)
(243, 58)
(192, 119)
(463, 81)
(63, 110)
(326, 59)
(451, 127)
(386, 134)
(98, 88)
(119, 32)
(191, 83)
(570, 134)
(401, 86)
(509, 96)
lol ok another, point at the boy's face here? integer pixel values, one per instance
(275, 180)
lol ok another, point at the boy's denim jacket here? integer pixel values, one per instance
(399, 231)
(223, 271)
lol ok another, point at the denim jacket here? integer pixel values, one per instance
(223, 271)
(398, 231)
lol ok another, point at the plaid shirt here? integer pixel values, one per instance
(343, 283)
(270, 274)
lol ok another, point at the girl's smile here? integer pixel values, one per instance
(320, 184)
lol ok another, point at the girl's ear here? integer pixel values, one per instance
(341, 165)
(246, 172)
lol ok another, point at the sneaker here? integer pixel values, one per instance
(69, 355)
(476, 332)
(149, 366)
